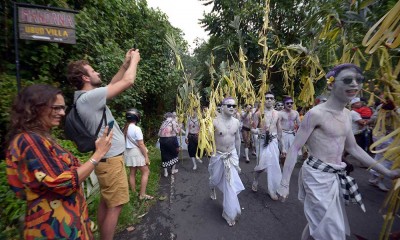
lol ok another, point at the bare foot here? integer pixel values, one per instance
(213, 194)
(231, 223)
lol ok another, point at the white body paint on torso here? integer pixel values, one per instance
(288, 119)
(271, 117)
(225, 129)
(327, 140)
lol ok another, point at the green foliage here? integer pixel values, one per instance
(12, 210)
(103, 37)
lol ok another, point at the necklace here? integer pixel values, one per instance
(340, 114)
(194, 122)
(228, 126)
(272, 118)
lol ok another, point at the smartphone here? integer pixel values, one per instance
(110, 126)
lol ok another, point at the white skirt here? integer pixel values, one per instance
(134, 157)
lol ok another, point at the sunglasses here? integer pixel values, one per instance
(58, 108)
(230, 105)
(279, 105)
(289, 103)
(269, 98)
(349, 80)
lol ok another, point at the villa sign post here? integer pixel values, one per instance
(46, 25)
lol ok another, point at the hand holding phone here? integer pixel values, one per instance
(110, 126)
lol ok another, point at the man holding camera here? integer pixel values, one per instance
(90, 100)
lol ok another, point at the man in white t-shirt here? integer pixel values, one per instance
(92, 101)
(357, 123)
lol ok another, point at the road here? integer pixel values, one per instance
(188, 213)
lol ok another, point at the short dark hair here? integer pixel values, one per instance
(337, 69)
(75, 71)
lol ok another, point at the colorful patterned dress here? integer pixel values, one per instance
(45, 175)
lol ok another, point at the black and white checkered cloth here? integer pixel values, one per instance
(347, 183)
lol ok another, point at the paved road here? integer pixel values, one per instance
(189, 213)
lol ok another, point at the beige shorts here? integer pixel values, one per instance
(113, 181)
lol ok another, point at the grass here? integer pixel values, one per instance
(131, 212)
(10, 226)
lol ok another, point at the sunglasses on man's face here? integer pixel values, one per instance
(230, 105)
(279, 105)
(269, 98)
(289, 103)
(349, 80)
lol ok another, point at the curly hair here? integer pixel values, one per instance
(75, 71)
(28, 107)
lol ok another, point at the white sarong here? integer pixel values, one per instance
(287, 141)
(268, 161)
(223, 169)
(323, 204)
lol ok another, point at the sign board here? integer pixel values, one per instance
(46, 25)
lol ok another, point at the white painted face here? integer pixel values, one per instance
(289, 104)
(229, 107)
(347, 85)
(269, 101)
(279, 106)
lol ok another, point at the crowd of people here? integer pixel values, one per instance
(277, 132)
(49, 177)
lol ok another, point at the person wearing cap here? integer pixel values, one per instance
(135, 155)
(358, 124)
(323, 184)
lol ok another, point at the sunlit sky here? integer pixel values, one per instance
(184, 14)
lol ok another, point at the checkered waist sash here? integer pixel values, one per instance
(289, 132)
(348, 184)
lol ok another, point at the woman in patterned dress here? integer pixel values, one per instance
(43, 173)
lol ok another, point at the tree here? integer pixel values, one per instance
(105, 31)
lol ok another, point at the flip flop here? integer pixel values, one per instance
(146, 197)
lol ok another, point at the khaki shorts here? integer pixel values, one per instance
(113, 181)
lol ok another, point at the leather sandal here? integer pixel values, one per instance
(146, 197)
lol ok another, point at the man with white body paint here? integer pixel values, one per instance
(326, 129)
(290, 119)
(224, 164)
(267, 126)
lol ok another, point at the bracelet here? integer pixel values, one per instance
(94, 162)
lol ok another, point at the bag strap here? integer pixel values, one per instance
(104, 117)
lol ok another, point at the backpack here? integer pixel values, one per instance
(76, 131)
